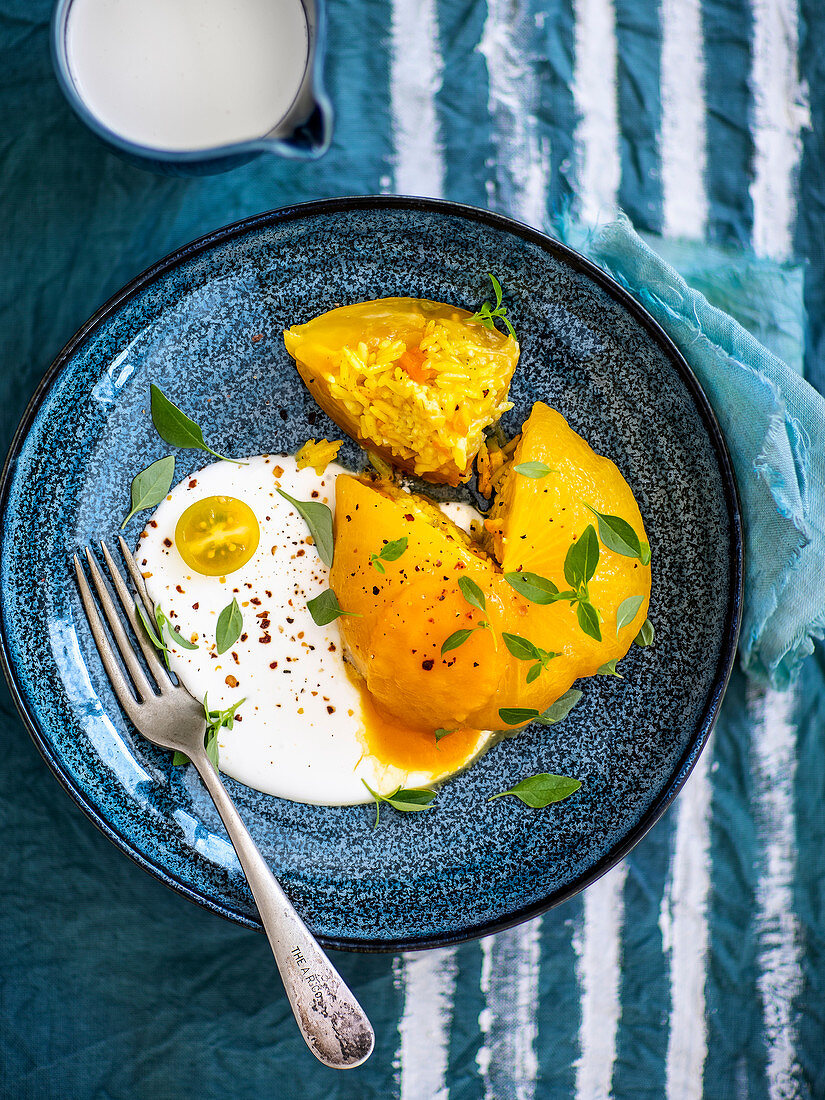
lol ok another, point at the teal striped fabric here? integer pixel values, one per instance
(696, 968)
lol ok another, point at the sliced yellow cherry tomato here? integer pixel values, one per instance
(217, 535)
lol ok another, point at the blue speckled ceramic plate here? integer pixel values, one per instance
(205, 324)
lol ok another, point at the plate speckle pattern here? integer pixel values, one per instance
(205, 325)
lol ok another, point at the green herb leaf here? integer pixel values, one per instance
(472, 593)
(215, 721)
(521, 648)
(230, 625)
(171, 630)
(534, 672)
(487, 314)
(538, 791)
(533, 469)
(439, 733)
(150, 630)
(393, 550)
(175, 427)
(588, 618)
(318, 519)
(458, 638)
(561, 708)
(325, 608)
(582, 558)
(496, 288)
(374, 561)
(618, 536)
(628, 609)
(644, 556)
(536, 589)
(211, 745)
(609, 669)
(514, 716)
(412, 800)
(151, 485)
(645, 635)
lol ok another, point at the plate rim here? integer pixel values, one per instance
(727, 657)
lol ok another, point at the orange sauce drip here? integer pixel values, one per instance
(391, 741)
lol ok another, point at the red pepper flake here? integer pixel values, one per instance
(167, 542)
(427, 665)
(330, 710)
(265, 638)
(256, 339)
(230, 681)
(193, 483)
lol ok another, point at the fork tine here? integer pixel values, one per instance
(127, 602)
(134, 572)
(122, 640)
(121, 686)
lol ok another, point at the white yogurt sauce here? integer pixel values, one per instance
(300, 728)
(187, 74)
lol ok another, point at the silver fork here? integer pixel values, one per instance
(331, 1020)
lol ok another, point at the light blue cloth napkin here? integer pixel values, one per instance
(773, 420)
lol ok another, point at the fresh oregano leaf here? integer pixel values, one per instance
(533, 469)
(412, 800)
(609, 669)
(628, 609)
(588, 618)
(391, 552)
(456, 639)
(175, 427)
(157, 642)
(325, 608)
(487, 314)
(645, 635)
(171, 630)
(230, 625)
(582, 558)
(618, 536)
(472, 593)
(151, 485)
(521, 648)
(561, 708)
(534, 672)
(216, 720)
(318, 519)
(536, 589)
(644, 556)
(439, 733)
(211, 746)
(538, 791)
(514, 716)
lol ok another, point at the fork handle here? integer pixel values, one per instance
(332, 1022)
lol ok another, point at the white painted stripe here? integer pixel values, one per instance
(415, 78)
(523, 158)
(777, 926)
(596, 98)
(780, 111)
(683, 921)
(683, 137)
(510, 964)
(428, 981)
(599, 948)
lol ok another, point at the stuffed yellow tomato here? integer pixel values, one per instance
(414, 381)
(451, 632)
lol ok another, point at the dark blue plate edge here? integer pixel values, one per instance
(708, 417)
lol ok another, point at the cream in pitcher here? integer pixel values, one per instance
(188, 74)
